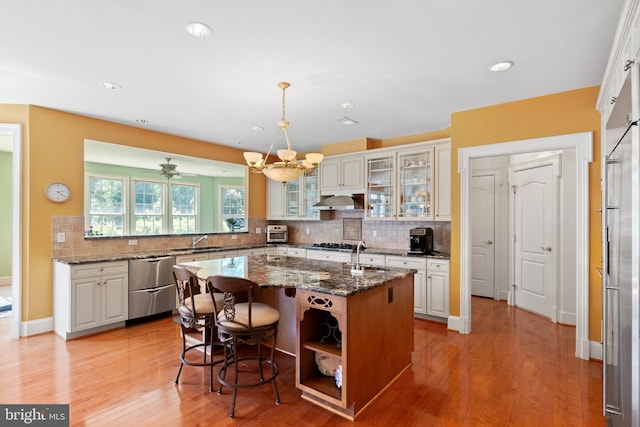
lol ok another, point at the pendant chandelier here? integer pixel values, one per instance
(288, 168)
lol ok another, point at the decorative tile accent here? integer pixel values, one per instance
(352, 229)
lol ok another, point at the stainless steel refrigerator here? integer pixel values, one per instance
(621, 259)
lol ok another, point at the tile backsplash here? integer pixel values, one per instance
(76, 245)
(345, 227)
(376, 234)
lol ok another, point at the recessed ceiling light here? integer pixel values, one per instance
(111, 85)
(257, 128)
(348, 105)
(198, 29)
(239, 143)
(347, 121)
(143, 121)
(502, 66)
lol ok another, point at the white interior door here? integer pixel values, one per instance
(482, 198)
(535, 223)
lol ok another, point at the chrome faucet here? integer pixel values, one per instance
(357, 269)
(197, 240)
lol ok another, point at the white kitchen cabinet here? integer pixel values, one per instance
(276, 250)
(200, 256)
(415, 183)
(377, 260)
(335, 256)
(380, 195)
(419, 279)
(438, 288)
(342, 175)
(90, 297)
(275, 199)
(297, 252)
(295, 199)
(251, 251)
(223, 254)
(442, 209)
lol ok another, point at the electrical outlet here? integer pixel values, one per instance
(133, 242)
(61, 238)
(258, 230)
(306, 231)
(234, 237)
(375, 233)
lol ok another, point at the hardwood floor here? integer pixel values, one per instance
(514, 369)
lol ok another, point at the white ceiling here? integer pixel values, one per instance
(405, 64)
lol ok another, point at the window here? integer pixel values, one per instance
(155, 207)
(106, 207)
(184, 202)
(232, 203)
(149, 211)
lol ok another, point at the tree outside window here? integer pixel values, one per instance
(233, 203)
(106, 213)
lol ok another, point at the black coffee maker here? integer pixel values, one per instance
(421, 241)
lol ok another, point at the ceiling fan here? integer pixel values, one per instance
(168, 170)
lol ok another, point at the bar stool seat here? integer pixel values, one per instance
(197, 313)
(240, 320)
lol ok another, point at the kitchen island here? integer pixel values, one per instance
(351, 334)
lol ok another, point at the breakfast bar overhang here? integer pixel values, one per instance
(351, 331)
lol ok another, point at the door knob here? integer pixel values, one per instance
(548, 248)
(489, 242)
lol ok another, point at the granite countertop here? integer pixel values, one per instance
(185, 251)
(280, 271)
(154, 254)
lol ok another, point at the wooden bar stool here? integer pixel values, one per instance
(240, 320)
(197, 312)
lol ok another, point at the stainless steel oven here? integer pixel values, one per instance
(277, 233)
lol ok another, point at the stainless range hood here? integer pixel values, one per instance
(341, 202)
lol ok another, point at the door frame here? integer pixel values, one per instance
(15, 133)
(583, 144)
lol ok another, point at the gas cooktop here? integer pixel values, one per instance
(344, 247)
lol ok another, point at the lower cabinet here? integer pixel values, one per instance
(251, 251)
(335, 256)
(419, 279)
(90, 297)
(438, 288)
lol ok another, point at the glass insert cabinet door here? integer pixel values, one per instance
(415, 172)
(381, 187)
(311, 193)
(292, 207)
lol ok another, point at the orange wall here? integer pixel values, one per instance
(53, 150)
(557, 114)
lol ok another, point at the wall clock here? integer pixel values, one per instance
(57, 192)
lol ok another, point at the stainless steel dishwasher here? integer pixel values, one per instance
(151, 286)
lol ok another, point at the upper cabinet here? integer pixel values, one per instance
(295, 199)
(381, 189)
(412, 183)
(625, 51)
(342, 175)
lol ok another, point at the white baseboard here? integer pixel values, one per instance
(566, 318)
(595, 350)
(5, 280)
(35, 327)
(453, 323)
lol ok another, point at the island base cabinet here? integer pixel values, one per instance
(370, 332)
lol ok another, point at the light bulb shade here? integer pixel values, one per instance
(287, 155)
(252, 157)
(306, 164)
(283, 174)
(314, 158)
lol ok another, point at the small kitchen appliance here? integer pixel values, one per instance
(277, 233)
(421, 241)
